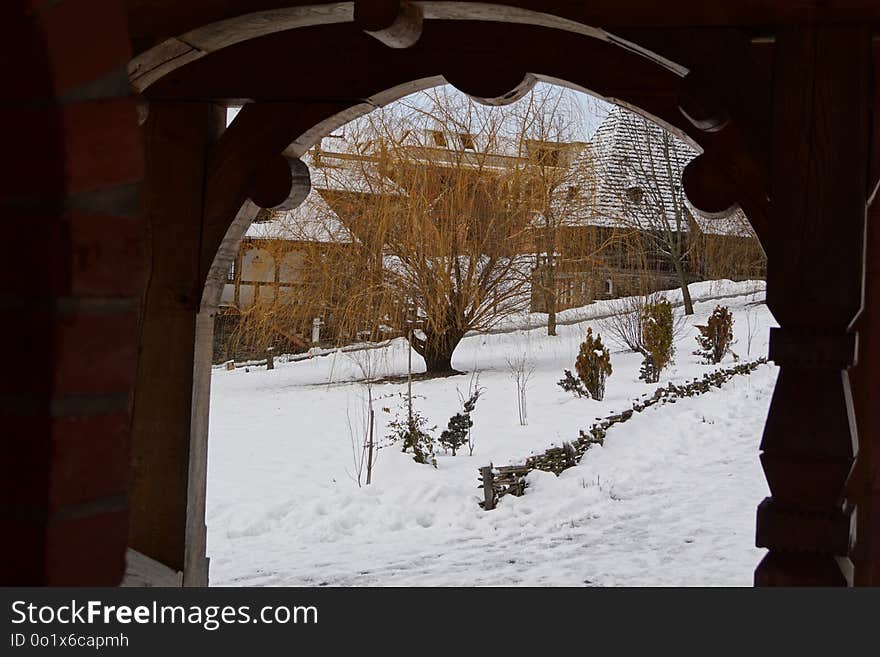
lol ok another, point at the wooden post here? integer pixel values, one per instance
(409, 379)
(169, 425)
(270, 359)
(230, 365)
(488, 487)
(814, 290)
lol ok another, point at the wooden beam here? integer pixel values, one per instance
(151, 21)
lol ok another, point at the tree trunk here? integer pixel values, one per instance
(550, 282)
(551, 309)
(437, 351)
(685, 292)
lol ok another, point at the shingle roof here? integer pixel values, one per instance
(311, 221)
(625, 153)
(634, 158)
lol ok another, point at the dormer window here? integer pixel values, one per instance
(438, 138)
(635, 195)
(466, 140)
(547, 156)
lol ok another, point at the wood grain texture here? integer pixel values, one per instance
(818, 171)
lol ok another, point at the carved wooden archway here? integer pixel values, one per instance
(777, 98)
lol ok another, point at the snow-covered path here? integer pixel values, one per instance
(669, 500)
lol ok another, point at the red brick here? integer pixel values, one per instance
(87, 551)
(75, 253)
(98, 353)
(71, 149)
(87, 39)
(103, 146)
(87, 353)
(90, 458)
(108, 256)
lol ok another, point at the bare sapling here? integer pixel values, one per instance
(474, 392)
(521, 370)
(357, 435)
(367, 362)
(751, 330)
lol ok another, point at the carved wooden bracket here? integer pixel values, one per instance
(281, 184)
(502, 89)
(396, 23)
(700, 106)
(708, 190)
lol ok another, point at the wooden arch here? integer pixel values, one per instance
(490, 60)
(710, 84)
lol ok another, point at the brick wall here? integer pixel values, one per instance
(70, 200)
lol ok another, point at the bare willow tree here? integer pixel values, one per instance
(558, 167)
(641, 167)
(439, 217)
(296, 266)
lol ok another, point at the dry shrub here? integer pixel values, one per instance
(593, 365)
(716, 335)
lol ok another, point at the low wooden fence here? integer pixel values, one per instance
(511, 479)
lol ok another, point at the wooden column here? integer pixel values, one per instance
(177, 138)
(864, 484)
(814, 289)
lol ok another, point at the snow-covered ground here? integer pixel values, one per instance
(669, 500)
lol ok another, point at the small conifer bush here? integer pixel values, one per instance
(716, 335)
(648, 371)
(658, 327)
(570, 383)
(459, 426)
(593, 365)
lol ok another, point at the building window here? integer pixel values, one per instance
(547, 156)
(439, 138)
(609, 287)
(635, 195)
(466, 140)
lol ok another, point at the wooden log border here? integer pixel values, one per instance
(511, 479)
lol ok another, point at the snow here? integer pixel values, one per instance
(720, 290)
(669, 500)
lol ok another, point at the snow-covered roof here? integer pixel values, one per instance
(311, 221)
(631, 166)
(637, 176)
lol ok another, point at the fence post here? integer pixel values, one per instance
(488, 487)
(270, 360)
(230, 365)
